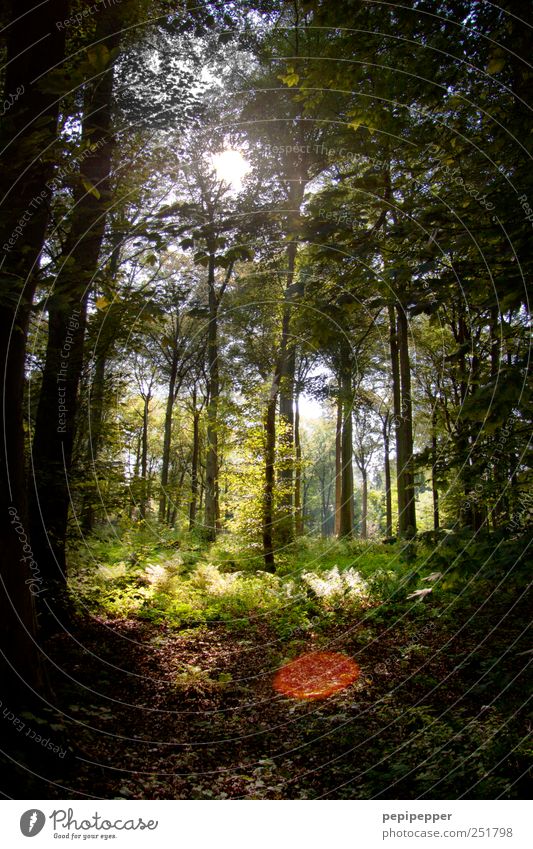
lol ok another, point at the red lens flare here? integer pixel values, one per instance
(316, 675)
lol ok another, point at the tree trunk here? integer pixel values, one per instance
(55, 423)
(388, 483)
(194, 463)
(143, 503)
(268, 493)
(167, 436)
(287, 368)
(401, 392)
(298, 513)
(434, 488)
(211, 465)
(470, 514)
(495, 342)
(346, 518)
(96, 417)
(408, 525)
(397, 406)
(323, 511)
(364, 506)
(338, 464)
(34, 47)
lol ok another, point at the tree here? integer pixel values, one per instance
(55, 423)
(366, 443)
(35, 53)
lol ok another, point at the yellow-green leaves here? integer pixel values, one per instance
(291, 78)
(90, 188)
(98, 56)
(496, 61)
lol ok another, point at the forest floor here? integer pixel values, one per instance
(156, 711)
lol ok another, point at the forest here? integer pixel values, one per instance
(266, 507)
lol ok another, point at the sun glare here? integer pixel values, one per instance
(316, 675)
(231, 167)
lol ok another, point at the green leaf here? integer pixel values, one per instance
(291, 79)
(90, 188)
(98, 56)
(496, 64)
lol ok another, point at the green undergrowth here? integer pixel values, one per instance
(183, 583)
(178, 580)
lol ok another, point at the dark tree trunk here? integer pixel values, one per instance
(401, 392)
(408, 525)
(33, 48)
(495, 342)
(282, 387)
(397, 406)
(55, 424)
(470, 512)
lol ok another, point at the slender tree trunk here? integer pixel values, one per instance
(338, 464)
(397, 406)
(268, 493)
(409, 521)
(167, 436)
(434, 487)
(364, 505)
(470, 514)
(96, 417)
(323, 511)
(143, 504)
(212, 460)
(401, 391)
(194, 463)
(347, 511)
(137, 467)
(287, 367)
(298, 513)
(330, 511)
(174, 503)
(388, 483)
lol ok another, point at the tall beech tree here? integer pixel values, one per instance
(67, 314)
(35, 53)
